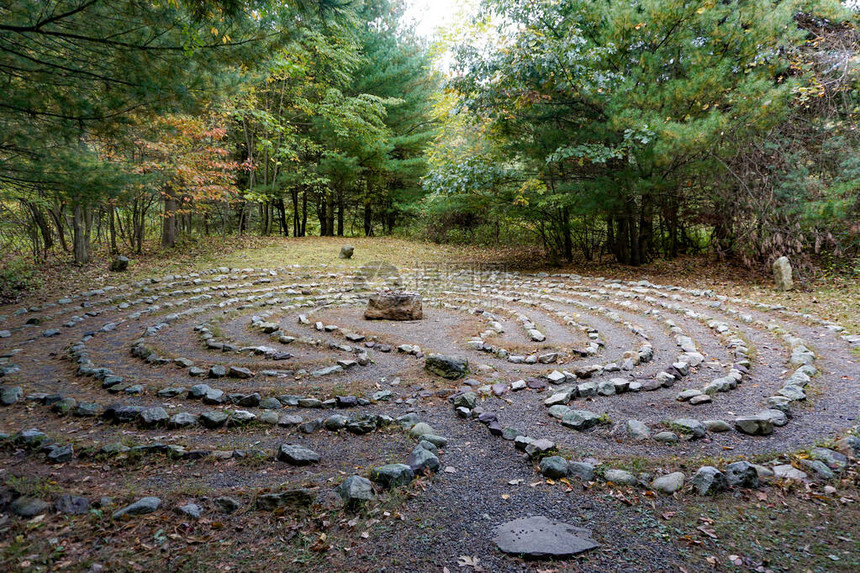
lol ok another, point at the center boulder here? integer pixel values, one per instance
(385, 305)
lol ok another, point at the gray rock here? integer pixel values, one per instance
(198, 391)
(182, 420)
(694, 428)
(558, 411)
(559, 398)
(620, 477)
(213, 419)
(834, 460)
(217, 371)
(346, 252)
(420, 429)
(288, 420)
(788, 471)
(554, 467)
(754, 425)
(356, 490)
(140, 507)
(269, 417)
(61, 454)
(819, 468)
(450, 367)
(10, 395)
(192, 510)
(465, 400)
(668, 484)
(793, 393)
(540, 537)
(151, 417)
(548, 358)
(291, 498)
(394, 306)
(742, 474)
(638, 430)
(392, 475)
(776, 417)
(363, 424)
(709, 480)
(227, 504)
(297, 455)
(716, 426)
(26, 506)
(587, 389)
(270, 404)
(437, 441)
(170, 392)
(701, 399)
(251, 400)
(581, 420)
(782, 274)
(582, 470)
(422, 459)
(214, 396)
(538, 448)
(606, 388)
(241, 417)
(88, 410)
(119, 264)
(666, 437)
(335, 422)
(72, 504)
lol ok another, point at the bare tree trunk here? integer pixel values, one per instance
(81, 237)
(112, 228)
(340, 209)
(169, 223)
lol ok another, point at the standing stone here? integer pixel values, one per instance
(346, 252)
(394, 306)
(540, 537)
(119, 264)
(782, 274)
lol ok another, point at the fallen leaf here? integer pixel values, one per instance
(708, 531)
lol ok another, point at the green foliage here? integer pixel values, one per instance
(18, 276)
(626, 110)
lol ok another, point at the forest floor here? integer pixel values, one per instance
(440, 522)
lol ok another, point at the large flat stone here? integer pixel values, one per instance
(394, 306)
(540, 537)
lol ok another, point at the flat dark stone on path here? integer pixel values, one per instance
(540, 537)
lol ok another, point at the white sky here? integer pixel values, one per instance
(433, 14)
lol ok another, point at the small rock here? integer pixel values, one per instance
(709, 480)
(227, 504)
(297, 455)
(356, 490)
(668, 484)
(192, 510)
(392, 475)
(26, 506)
(742, 474)
(140, 507)
(554, 467)
(72, 504)
(620, 477)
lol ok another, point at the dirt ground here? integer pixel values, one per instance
(442, 521)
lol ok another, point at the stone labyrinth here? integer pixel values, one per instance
(279, 368)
